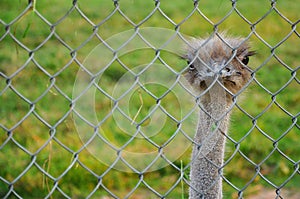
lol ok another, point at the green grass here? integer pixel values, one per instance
(51, 105)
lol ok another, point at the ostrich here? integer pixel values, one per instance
(218, 71)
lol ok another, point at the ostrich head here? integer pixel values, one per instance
(222, 58)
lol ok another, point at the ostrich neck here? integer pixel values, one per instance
(208, 150)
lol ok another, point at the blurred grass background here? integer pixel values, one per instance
(32, 82)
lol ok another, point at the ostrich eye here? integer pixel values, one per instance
(245, 60)
(191, 67)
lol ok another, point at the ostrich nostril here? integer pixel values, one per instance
(238, 73)
(225, 72)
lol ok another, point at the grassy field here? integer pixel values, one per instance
(48, 136)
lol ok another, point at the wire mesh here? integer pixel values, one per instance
(94, 103)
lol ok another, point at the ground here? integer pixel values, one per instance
(269, 194)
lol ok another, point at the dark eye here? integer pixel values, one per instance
(191, 66)
(245, 60)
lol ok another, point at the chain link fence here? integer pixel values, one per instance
(94, 103)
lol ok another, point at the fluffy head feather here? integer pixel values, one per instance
(223, 58)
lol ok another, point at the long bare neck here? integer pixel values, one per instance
(209, 146)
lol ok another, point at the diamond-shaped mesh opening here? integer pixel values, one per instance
(12, 53)
(94, 102)
(25, 88)
(13, 104)
(27, 24)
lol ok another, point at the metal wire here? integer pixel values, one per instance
(117, 157)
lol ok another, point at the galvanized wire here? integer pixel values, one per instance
(8, 136)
